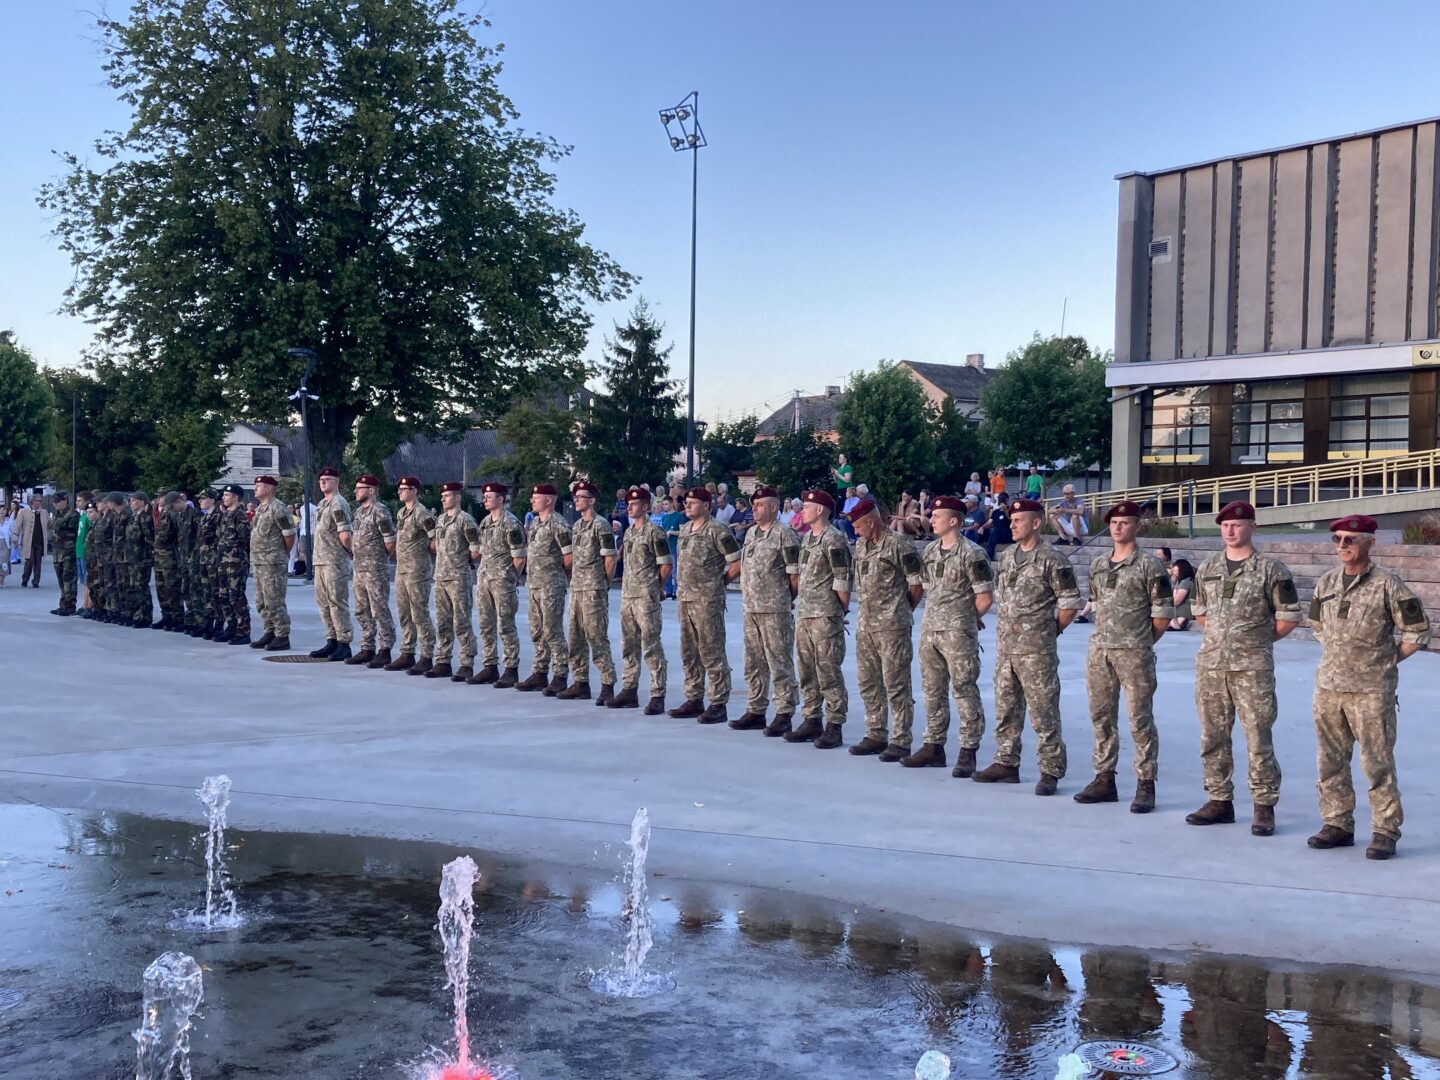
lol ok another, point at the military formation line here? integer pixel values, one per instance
(796, 590)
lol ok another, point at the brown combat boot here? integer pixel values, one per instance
(462, 673)
(1214, 812)
(607, 695)
(439, 671)
(536, 680)
(715, 714)
(1381, 847)
(1101, 789)
(930, 755)
(364, 656)
(779, 726)
(867, 746)
(380, 660)
(421, 666)
(1047, 784)
(576, 691)
(628, 698)
(1331, 836)
(487, 674)
(1263, 823)
(403, 662)
(510, 678)
(829, 739)
(964, 762)
(894, 752)
(687, 709)
(810, 729)
(1144, 800)
(556, 685)
(656, 705)
(748, 721)
(996, 773)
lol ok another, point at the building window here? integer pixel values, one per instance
(262, 457)
(1268, 423)
(1369, 416)
(1177, 426)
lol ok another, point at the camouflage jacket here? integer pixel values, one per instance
(371, 530)
(268, 528)
(167, 539)
(413, 530)
(1240, 611)
(457, 541)
(64, 531)
(332, 517)
(704, 555)
(232, 537)
(547, 544)
(1127, 595)
(502, 541)
(952, 581)
(591, 543)
(1356, 617)
(826, 567)
(1030, 587)
(768, 559)
(645, 549)
(140, 539)
(885, 571)
(207, 537)
(98, 548)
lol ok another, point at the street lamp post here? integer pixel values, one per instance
(687, 135)
(304, 397)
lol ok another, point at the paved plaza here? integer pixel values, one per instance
(106, 718)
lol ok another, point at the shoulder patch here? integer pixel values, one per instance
(1317, 606)
(910, 561)
(1285, 592)
(1164, 588)
(839, 557)
(607, 542)
(472, 534)
(791, 554)
(1412, 612)
(661, 547)
(980, 570)
(517, 538)
(1065, 575)
(728, 544)
(428, 524)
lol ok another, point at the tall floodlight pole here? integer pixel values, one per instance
(304, 397)
(686, 135)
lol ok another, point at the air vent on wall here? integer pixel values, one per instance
(1160, 249)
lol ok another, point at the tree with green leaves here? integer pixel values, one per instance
(1048, 403)
(635, 426)
(884, 426)
(728, 448)
(27, 417)
(793, 462)
(188, 454)
(959, 450)
(347, 178)
(539, 441)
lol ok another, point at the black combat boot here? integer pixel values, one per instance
(607, 695)
(242, 636)
(439, 671)
(280, 644)
(341, 653)
(325, 651)
(749, 720)
(656, 705)
(715, 714)
(964, 762)
(381, 659)
(263, 640)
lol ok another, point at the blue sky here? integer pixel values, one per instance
(906, 181)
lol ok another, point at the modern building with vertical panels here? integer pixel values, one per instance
(1278, 308)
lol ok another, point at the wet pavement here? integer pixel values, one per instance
(338, 974)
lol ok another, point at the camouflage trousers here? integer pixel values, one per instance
(770, 658)
(332, 597)
(95, 571)
(640, 637)
(213, 590)
(496, 602)
(140, 605)
(233, 604)
(1029, 681)
(412, 604)
(702, 650)
(170, 591)
(590, 635)
(882, 675)
(950, 663)
(270, 586)
(1107, 671)
(547, 630)
(372, 609)
(452, 621)
(67, 573)
(112, 578)
(199, 581)
(820, 656)
(1219, 695)
(1341, 721)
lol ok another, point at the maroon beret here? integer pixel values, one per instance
(587, 487)
(408, 481)
(494, 487)
(641, 494)
(824, 498)
(948, 502)
(1032, 506)
(264, 479)
(1357, 523)
(764, 493)
(453, 485)
(1235, 511)
(1127, 508)
(367, 480)
(860, 509)
(543, 489)
(329, 470)
(703, 494)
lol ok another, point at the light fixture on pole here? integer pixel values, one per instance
(682, 125)
(303, 396)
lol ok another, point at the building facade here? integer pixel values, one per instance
(1278, 308)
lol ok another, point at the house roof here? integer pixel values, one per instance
(817, 413)
(960, 381)
(435, 461)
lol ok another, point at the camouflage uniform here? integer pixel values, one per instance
(168, 576)
(117, 585)
(705, 553)
(203, 601)
(188, 520)
(269, 562)
(1235, 668)
(457, 541)
(497, 596)
(1031, 586)
(950, 641)
(97, 561)
(643, 551)
(232, 561)
(825, 569)
(1127, 595)
(769, 559)
(591, 543)
(139, 561)
(64, 531)
(332, 567)
(545, 581)
(414, 572)
(1355, 616)
(373, 528)
(885, 570)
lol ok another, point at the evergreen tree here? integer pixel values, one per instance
(729, 448)
(959, 450)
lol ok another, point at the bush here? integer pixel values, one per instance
(1423, 530)
(1162, 529)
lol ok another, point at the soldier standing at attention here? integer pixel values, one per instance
(202, 568)
(272, 535)
(167, 563)
(372, 541)
(140, 558)
(118, 591)
(497, 590)
(414, 573)
(1246, 602)
(64, 531)
(769, 583)
(455, 543)
(822, 600)
(1357, 610)
(331, 552)
(1134, 603)
(232, 556)
(547, 571)
(97, 559)
(592, 566)
(887, 577)
(709, 557)
(647, 566)
(959, 588)
(1038, 600)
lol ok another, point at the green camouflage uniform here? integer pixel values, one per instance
(1127, 595)
(98, 561)
(457, 541)
(269, 562)
(548, 543)
(204, 599)
(644, 550)
(1356, 618)
(64, 531)
(704, 555)
(232, 566)
(373, 528)
(885, 570)
(139, 561)
(168, 578)
(497, 595)
(1235, 668)
(826, 568)
(414, 573)
(950, 639)
(332, 567)
(117, 587)
(591, 543)
(768, 560)
(1031, 586)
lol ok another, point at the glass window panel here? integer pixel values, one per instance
(1346, 430)
(1397, 405)
(1193, 416)
(1291, 389)
(1204, 452)
(1287, 411)
(1287, 432)
(1390, 429)
(1347, 407)
(1162, 417)
(1391, 444)
(1360, 385)
(1200, 436)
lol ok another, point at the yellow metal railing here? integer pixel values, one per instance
(1280, 487)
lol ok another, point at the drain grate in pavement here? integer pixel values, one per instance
(296, 658)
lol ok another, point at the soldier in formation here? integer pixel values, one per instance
(709, 558)
(548, 559)
(769, 583)
(455, 543)
(232, 565)
(373, 546)
(646, 555)
(139, 554)
(331, 546)
(497, 595)
(64, 529)
(592, 567)
(414, 578)
(272, 535)
(822, 602)
(172, 548)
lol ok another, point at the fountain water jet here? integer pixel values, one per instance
(173, 989)
(632, 980)
(220, 908)
(456, 926)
